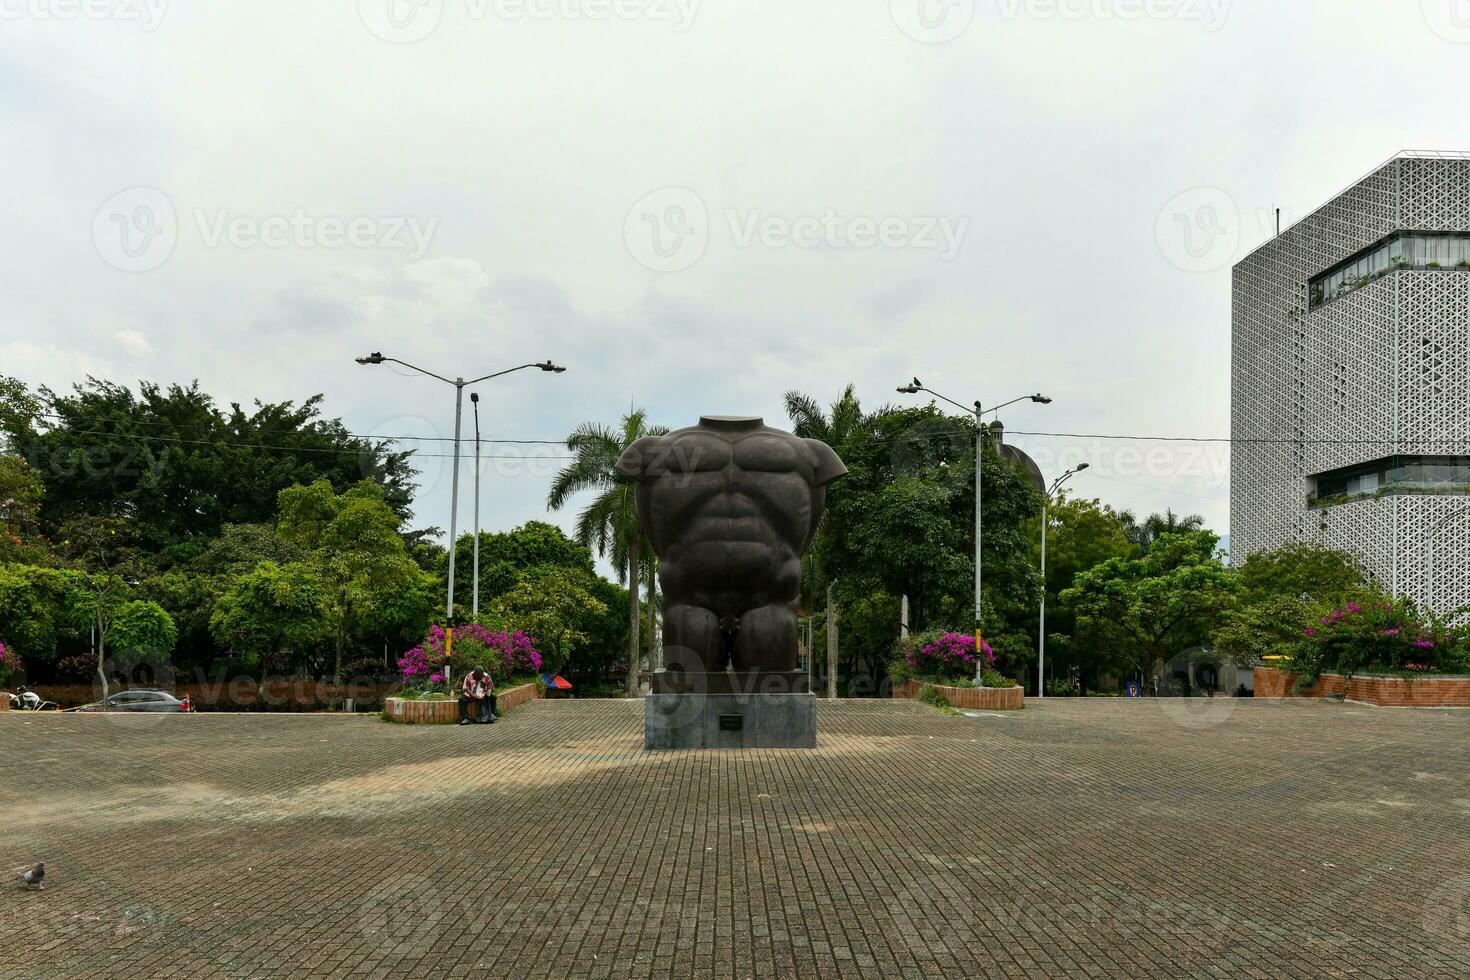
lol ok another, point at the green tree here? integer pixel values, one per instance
(1284, 591)
(101, 551)
(171, 461)
(1144, 610)
(1082, 534)
(21, 493)
(553, 605)
(1155, 526)
(1301, 569)
(36, 610)
(608, 525)
(141, 632)
(505, 554)
(271, 611)
(352, 548)
(837, 426)
(906, 520)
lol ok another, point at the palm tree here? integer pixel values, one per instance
(609, 524)
(1157, 525)
(835, 429)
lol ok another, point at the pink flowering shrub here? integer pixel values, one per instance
(501, 653)
(1375, 634)
(9, 664)
(943, 655)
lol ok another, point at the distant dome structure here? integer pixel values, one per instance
(1016, 455)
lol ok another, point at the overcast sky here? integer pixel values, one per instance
(695, 205)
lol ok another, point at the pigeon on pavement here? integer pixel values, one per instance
(34, 876)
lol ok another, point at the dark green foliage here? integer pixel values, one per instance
(172, 461)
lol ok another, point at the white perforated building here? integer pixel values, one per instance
(1350, 392)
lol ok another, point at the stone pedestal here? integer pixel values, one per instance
(729, 721)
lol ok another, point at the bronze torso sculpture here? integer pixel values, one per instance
(730, 505)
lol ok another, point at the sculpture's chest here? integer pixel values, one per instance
(754, 454)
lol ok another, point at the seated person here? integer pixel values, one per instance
(477, 695)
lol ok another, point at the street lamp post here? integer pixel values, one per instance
(460, 384)
(475, 582)
(980, 413)
(1041, 635)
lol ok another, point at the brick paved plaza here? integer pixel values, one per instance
(1281, 839)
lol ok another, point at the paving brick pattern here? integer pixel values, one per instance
(1098, 838)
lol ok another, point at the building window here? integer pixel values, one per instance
(1395, 474)
(1402, 250)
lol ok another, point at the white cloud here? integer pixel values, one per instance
(135, 342)
(529, 141)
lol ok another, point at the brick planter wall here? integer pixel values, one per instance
(972, 698)
(447, 712)
(1428, 691)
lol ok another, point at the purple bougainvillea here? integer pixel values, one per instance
(501, 652)
(949, 655)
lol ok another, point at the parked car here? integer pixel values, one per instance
(138, 700)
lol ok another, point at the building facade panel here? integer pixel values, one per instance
(1356, 383)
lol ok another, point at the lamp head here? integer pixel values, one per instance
(554, 368)
(374, 358)
(1082, 466)
(908, 389)
(1041, 399)
(474, 398)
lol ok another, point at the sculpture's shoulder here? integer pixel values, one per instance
(777, 451)
(688, 450)
(827, 465)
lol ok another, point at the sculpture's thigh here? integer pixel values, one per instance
(692, 640)
(767, 638)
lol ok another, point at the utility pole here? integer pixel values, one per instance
(460, 384)
(1041, 633)
(979, 412)
(475, 584)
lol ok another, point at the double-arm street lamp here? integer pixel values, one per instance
(980, 432)
(460, 384)
(1041, 636)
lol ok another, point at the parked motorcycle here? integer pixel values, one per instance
(27, 700)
